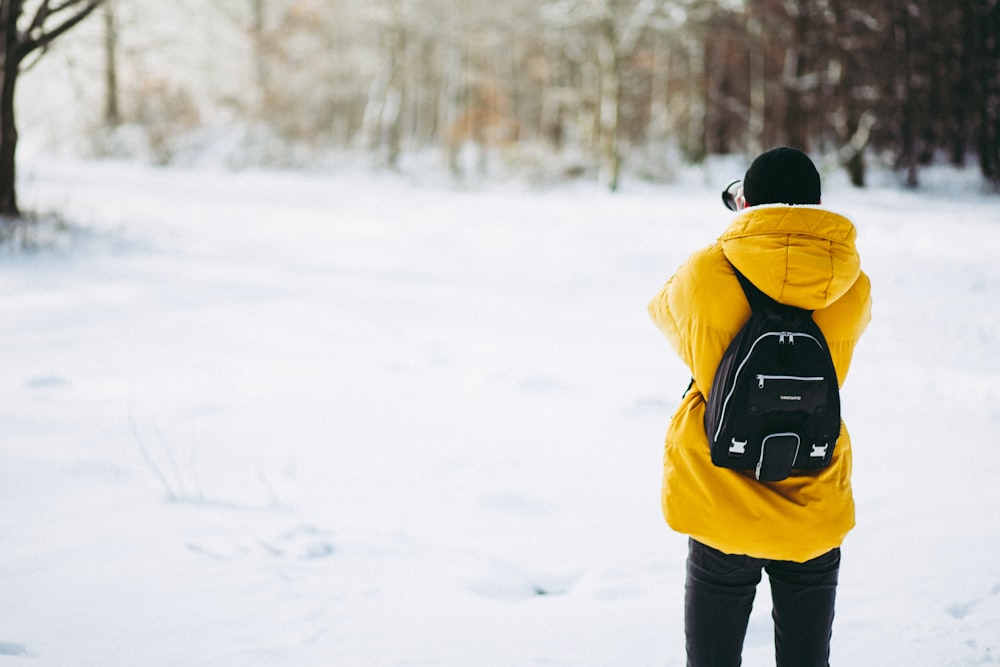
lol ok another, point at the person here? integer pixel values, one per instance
(803, 255)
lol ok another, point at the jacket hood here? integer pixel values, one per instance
(801, 256)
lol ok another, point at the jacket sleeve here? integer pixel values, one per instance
(844, 321)
(670, 310)
(700, 310)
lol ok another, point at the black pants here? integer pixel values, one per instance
(719, 596)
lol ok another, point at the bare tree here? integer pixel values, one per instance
(112, 108)
(987, 62)
(571, 85)
(387, 94)
(26, 28)
(853, 34)
(618, 26)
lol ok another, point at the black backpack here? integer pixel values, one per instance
(775, 403)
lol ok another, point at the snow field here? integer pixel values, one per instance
(345, 418)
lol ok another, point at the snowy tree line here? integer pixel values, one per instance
(588, 85)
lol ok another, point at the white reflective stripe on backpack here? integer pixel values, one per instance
(782, 335)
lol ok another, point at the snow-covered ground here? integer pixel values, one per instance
(349, 419)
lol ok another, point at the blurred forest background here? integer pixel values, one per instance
(551, 88)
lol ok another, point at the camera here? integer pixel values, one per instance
(730, 193)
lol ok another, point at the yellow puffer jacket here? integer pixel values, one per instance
(802, 256)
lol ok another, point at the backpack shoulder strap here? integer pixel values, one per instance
(758, 300)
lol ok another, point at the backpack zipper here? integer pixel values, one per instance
(782, 335)
(761, 379)
(763, 447)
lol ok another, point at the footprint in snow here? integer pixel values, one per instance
(305, 542)
(958, 611)
(19, 650)
(506, 581)
(46, 382)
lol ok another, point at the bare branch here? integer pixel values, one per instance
(635, 24)
(40, 34)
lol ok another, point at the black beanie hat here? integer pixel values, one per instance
(782, 175)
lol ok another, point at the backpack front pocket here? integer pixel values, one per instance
(788, 393)
(777, 454)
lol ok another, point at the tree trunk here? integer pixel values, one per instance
(112, 111)
(904, 83)
(383, 116)
(14, 47)
(610, 109)
(758, 86)
(697, 93)
(393, 110)
(989, 116)
(793, 125)
(8, 148)
(9, 11)
(659, 93)
(260, 58)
